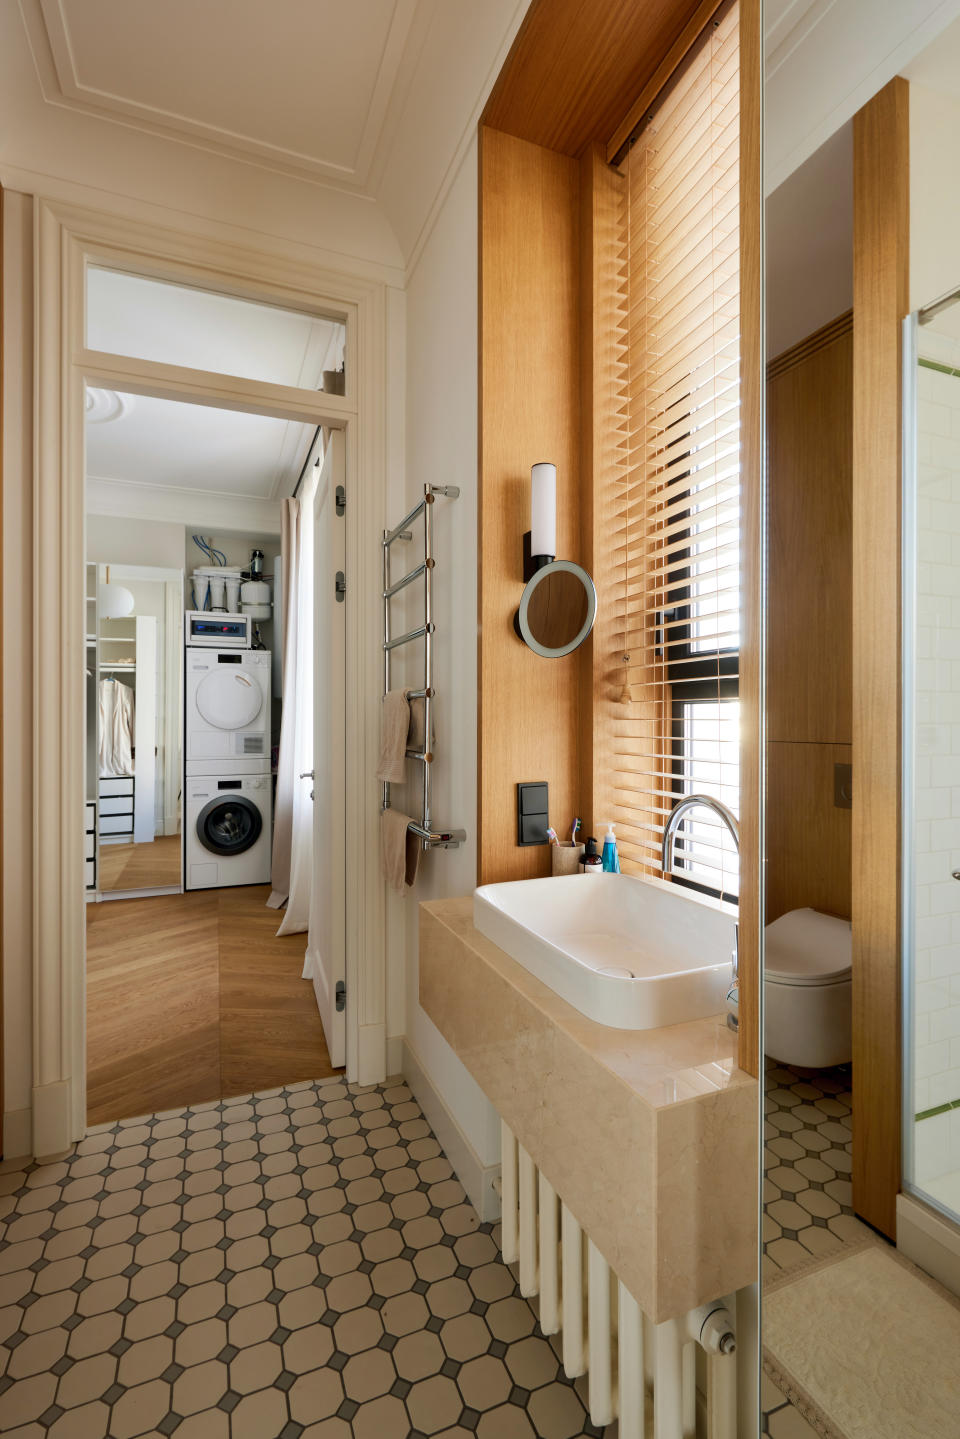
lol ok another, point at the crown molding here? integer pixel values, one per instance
(48, 37)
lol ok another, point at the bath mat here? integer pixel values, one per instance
(866, 1348)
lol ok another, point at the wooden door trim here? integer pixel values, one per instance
(880, 302)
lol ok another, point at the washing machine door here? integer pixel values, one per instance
(229, 825)
(228, 698)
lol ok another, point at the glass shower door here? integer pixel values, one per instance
(931, 757)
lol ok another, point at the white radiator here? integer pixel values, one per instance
(676, 1380)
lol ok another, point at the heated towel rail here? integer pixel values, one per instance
(431, 838)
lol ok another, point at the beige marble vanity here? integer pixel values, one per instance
(650, 1137)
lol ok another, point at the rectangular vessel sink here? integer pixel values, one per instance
(630, 953)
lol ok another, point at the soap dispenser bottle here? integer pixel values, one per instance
(610, 860)
(591, 863)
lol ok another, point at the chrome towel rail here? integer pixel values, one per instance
(431, 838)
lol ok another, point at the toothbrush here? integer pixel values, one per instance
(573, 833)
(552, 834)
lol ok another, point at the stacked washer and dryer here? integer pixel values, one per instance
(227, 784)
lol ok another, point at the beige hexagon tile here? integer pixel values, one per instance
(300, 1263)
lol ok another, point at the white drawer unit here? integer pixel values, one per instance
(90, 844)
(116, 805)
(116, 824)
(111, 785)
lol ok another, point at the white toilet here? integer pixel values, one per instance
(807, 989)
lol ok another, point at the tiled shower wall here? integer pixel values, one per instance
(937, 763)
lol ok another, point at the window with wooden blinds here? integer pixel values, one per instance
(676, 510)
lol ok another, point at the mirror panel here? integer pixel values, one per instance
(134, 678)
(557, 609)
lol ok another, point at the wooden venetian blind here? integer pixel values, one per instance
(677, 508)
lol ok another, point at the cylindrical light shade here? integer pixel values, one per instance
(543, 509)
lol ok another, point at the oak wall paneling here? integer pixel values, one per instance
(603, 461)
(577, 66)
(808, 838)
(880, 302)
(809, 620)
(810, 594)
(529, 411)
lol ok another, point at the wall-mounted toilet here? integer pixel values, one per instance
(807, 989)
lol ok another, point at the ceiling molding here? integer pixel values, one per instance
(199, 509)
(53, 52)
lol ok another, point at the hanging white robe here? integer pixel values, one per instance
(116, 728)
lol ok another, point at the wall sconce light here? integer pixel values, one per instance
(540, 541)
(559, 601)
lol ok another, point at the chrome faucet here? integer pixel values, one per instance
(723, 812)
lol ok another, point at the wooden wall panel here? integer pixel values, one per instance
(810, 593)
(809, 621)
(751, 543)
(603, 449)
(577, 66)
(880, 302)
(529, 723)
(807, 837)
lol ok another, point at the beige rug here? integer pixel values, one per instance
(867, 1347)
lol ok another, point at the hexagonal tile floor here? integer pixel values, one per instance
(300, 1262)
(807, 1162)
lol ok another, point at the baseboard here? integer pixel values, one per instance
(52, 1119)
(929, 1240)
(395, 1055)
(18, 1134)
(371, 1053)
(476, 1177)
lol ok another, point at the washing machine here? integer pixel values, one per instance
(227, 711)
(227, 831)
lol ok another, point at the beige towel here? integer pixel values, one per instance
(394, 727)
(417, 735)
(399, 850)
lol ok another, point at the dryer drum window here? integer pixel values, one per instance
(229, 825)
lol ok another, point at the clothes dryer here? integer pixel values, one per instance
(227, 723)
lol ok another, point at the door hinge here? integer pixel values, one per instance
(341, 500)
(341, 586)
(341, 996)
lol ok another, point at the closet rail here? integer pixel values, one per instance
(430, 837)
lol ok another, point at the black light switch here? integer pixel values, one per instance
(533, 812)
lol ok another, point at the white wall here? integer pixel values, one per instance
(113, 540)
(17, 312)
(441, 448)
(936, 819)
(934, 194)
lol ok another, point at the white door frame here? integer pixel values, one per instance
(67, 240)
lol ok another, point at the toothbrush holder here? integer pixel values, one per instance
(565, 857)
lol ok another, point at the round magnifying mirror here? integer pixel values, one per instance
(557, 609)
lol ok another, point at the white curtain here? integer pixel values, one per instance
(293, 824)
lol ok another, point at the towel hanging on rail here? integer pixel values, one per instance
(394, 729)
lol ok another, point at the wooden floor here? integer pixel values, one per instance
(193, 997)
(141, 866)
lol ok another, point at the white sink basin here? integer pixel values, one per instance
(630, 953)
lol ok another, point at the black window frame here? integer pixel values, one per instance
(694, 675)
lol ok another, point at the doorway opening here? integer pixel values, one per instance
(215, 745)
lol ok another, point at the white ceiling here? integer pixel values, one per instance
(177, 325)
(302, 85)
(938, 67)
(172, 446)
